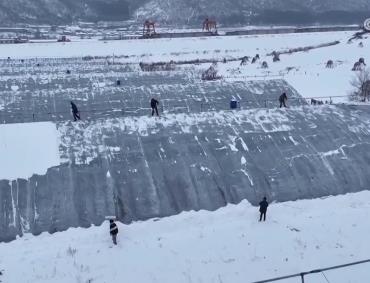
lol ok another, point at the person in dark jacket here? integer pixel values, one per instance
(282, 99)
(154, 105)
(75, 112)
(263, 209)
(113, 231)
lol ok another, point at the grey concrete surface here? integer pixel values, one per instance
(140, 168)
(42, 93)
(196, 156)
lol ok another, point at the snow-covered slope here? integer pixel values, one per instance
(62, 11)
(249, 153)
(228, 246)
(141, 167)
(184, 12)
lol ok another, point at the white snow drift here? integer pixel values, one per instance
(228, 246)
(27, 149)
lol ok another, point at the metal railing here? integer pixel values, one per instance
(302, 275)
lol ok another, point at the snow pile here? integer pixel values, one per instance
(27, 149)
(228, 245)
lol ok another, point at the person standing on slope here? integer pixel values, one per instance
(154, 105)
(263, 209)
(75, 112)
(113, 231)
(282, 99)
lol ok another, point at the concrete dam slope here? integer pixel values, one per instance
(142, 167)
(198, 155)
(44, 95)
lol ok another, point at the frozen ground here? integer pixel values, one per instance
(228, 245)
(27, 149)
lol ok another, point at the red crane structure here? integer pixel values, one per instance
(149, 28)
(210, 25)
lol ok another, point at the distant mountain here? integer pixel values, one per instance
(64, 11)
(189, 12)
(257, 12)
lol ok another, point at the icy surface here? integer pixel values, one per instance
(228, 246)
(27, 149)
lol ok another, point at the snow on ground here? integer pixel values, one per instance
(228, 245)
(224, 246)
(167, 49)
(308, 73)
(27, 149)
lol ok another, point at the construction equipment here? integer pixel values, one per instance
(210, 25)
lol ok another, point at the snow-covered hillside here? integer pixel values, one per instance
(230, 11)
(228, 246)
(249, 11)
(63, 11)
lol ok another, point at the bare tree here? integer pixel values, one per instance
(361, 86)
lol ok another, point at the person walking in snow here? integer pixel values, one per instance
(263, 209)
(154, 105)
(113, 231)
(75, 112)
(282, 99)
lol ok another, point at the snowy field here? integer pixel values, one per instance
(227, 246)
(27, 149)
(164, 49)
(304, 70)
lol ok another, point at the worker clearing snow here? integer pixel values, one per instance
(113, 231)
(154, 105)
(263, 209)
(75, 112)
(282, 99)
